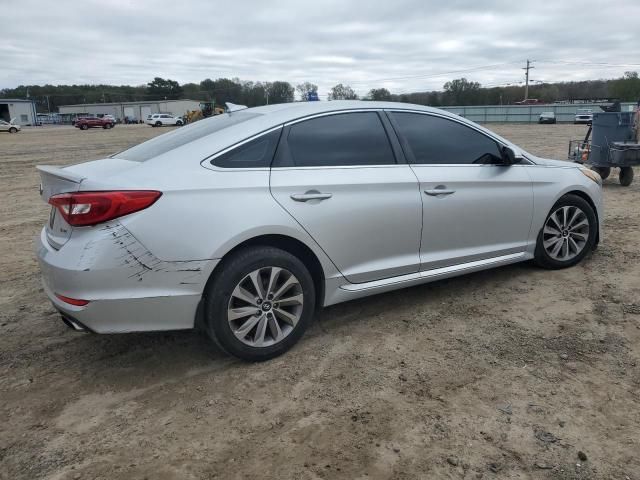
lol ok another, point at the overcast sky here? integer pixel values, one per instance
(403, 45)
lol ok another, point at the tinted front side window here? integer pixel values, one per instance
(436, 140)
(340, 140)
(254, 154)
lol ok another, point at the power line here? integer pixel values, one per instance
(432, 75)
(604, 64)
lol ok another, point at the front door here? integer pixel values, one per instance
(474, 208)
(337, 175)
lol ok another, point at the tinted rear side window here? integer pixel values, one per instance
(167, 142)
(256, 153)
(339, 140)
(436, 140)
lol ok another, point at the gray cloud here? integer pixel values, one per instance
(403, 45)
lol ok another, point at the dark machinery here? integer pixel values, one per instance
(609, 143)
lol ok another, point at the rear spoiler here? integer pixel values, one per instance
(54, 180)
(60, 173)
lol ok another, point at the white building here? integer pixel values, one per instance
(137, 110)
(22, 112)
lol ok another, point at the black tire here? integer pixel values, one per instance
(179, 123)
(543, 259)
(105, 126)
(13, 130)
(626, 176)
(158, 124)
(604, 172)
(218, 293)
(84, 127)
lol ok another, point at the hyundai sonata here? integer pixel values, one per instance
(245, 223)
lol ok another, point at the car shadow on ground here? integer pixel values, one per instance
(421, 296)
(171, 354)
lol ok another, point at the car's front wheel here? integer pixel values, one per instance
(158, 124)
(568, 234)
(13, 130)
(260, 303)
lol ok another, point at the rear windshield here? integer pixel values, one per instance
(181, 136)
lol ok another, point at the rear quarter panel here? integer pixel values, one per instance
(205, 213)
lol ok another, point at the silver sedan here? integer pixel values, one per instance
(245, 223)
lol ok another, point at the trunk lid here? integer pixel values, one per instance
(55, 180)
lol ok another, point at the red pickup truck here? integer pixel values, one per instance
(83, 123)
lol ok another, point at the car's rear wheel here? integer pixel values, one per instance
(568, 234)
(604, 172)
(626, 176)
(84, 127)
(13, 130)
(158, 124)
(260, 303)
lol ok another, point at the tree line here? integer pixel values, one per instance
(222, 90)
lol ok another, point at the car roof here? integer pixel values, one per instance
(264, 118)
(274, 115)
(302, 109)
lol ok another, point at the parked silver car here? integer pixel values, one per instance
(9, 126)
(246, 222)
(547, 117)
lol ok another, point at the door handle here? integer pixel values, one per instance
(305, 197)
(439, 190)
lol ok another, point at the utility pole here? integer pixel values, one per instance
(526, 76)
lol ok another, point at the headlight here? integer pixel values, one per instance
(592, 175)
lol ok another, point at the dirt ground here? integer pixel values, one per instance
(510, 373)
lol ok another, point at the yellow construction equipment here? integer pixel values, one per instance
(207, 109)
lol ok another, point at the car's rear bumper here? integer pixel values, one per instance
(128, 289)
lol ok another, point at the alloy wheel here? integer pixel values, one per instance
(265, 306)
(566, 233)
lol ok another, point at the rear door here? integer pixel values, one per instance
(343, 178)
(474, 208)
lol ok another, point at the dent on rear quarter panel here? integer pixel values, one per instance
(113, 263)
(142, 262)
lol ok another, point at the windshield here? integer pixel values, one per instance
(169, 141)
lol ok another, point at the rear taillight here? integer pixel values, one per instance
(90, 208)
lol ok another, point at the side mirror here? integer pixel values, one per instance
(509, 156)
